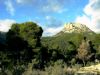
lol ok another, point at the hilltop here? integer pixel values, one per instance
(75, 28)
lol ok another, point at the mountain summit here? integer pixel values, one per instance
(75, 28)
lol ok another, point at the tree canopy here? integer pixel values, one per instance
(23, 40)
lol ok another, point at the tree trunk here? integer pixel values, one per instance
(83, 63)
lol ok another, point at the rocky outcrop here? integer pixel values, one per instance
(91, 70)
(76, 28)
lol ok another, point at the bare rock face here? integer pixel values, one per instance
(76, 28)
(90, 70)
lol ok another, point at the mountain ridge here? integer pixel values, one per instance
(75, 28)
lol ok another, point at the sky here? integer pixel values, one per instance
(51, 15)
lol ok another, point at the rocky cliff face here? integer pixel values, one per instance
(76, 28)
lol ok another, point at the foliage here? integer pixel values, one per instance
(21, 42)
(24, 52)
(85, 50)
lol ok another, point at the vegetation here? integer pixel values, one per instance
(24, 52)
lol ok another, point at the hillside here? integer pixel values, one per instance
(63, 39)
(73, 32)
(67, 43)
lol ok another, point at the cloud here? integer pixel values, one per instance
(9, 7)
(6, 24)
(52, 26)
(92, 15)
(48, 17)
(45, 6)
(52, 21)
(54, 6)
(83, 20)
(20, 1)
(25, 1)
(51, 31)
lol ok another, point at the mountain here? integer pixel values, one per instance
(75, 28)
(72, 32)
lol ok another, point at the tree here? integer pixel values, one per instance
(31, 33)
(84, 52)
(23, 39)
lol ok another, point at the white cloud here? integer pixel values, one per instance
(25, 1)
(92, 15)
(53, 26)
(51, 31)
(6, 24)
(52, 21)
(62, 10)
(83, 20)
(19, 1)
(9, 7)
(48, 17)
(47, 6)
(53, 6)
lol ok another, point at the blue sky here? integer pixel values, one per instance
(49, 14)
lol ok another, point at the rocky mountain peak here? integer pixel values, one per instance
(76, 28)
